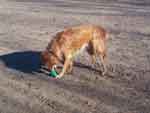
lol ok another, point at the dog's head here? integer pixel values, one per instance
(49, 59)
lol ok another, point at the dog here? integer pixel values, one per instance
(65, 45)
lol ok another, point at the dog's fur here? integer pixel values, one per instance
(66, 44)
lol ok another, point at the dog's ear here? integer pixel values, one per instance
(44, 54)
(44, 57)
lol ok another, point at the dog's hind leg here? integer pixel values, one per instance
(101, 52)
(103, 60)
(91, 51)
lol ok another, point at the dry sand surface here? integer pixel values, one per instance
(26, 26)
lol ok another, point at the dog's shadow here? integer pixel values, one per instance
(26, 61)
(81, 65)
(29, 61)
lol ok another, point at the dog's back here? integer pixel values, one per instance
(76, 37)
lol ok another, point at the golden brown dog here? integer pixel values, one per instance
(66, 45)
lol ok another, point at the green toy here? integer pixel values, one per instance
(53, 73)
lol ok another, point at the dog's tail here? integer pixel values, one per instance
(106, 35)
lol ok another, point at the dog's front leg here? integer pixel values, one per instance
(70, 68)
(65, 67)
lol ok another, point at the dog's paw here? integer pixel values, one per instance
(58, 76)
(104, 73)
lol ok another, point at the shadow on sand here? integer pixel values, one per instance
(29, 61)
(26, 61)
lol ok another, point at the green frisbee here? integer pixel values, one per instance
(53, 73)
